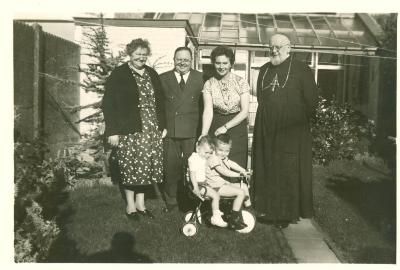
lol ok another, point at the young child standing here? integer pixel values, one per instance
(220, 167)
(197, 169)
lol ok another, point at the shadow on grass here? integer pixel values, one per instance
(64, 250)
(376, 201)
(122, 251)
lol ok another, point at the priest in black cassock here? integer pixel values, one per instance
(282, 159)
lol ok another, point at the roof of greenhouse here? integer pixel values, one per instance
(355, 30)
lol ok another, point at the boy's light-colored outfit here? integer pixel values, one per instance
(213, 178)
(198, 164)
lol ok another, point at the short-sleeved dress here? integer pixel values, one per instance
(225, 95)
(140, 154)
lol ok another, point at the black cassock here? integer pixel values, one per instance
(282, 158)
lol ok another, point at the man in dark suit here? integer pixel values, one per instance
(182, 88)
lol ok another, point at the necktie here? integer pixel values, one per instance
(182, 83)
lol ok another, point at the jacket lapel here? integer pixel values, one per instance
(173, 84)
(183, 95)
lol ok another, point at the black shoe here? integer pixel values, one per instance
(235, 221)
(133, 216)
(236, 225)
(146, 213)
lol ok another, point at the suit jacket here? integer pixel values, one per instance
(120, 102)
(182, 107)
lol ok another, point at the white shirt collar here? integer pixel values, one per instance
(178, 76)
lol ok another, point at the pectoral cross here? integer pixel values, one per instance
(274, 83)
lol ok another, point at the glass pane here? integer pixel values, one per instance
(248, 39)
(149, 15)
(283, 21)
(129, 15)
(336, 24)
(166, 16)
(260, 54)
(196, 18)
(267, 29)
(229, 33)
(212, 22)
(292, 35)
(319, 23)
(352, 24)
(182, 16)
(248, 30)
(230, 20)
(265, 34)
(327, 38)
(210, 36)
(345, 39)
(328, 59)
(307, 38)
(248, 20)
(301, 22)
(265, 21)
(239, 67)
(303, 57)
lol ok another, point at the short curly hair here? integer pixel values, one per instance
(222, 50)
(138, 43)
(222, 138)
(206, 140)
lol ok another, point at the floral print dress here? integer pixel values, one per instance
(140, 154)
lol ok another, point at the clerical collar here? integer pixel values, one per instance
(275, 81)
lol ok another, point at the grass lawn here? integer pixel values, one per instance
(355, 204)
(95, 229)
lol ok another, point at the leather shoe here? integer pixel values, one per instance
(146, 213)
(133, 216)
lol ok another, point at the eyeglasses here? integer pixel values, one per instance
(278, 48)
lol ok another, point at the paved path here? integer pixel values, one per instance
(308, 244)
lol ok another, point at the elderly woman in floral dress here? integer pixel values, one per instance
(133, 108)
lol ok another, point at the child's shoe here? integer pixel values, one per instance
(218, 221)
(236, 221)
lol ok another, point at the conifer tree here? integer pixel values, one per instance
(100, 63)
